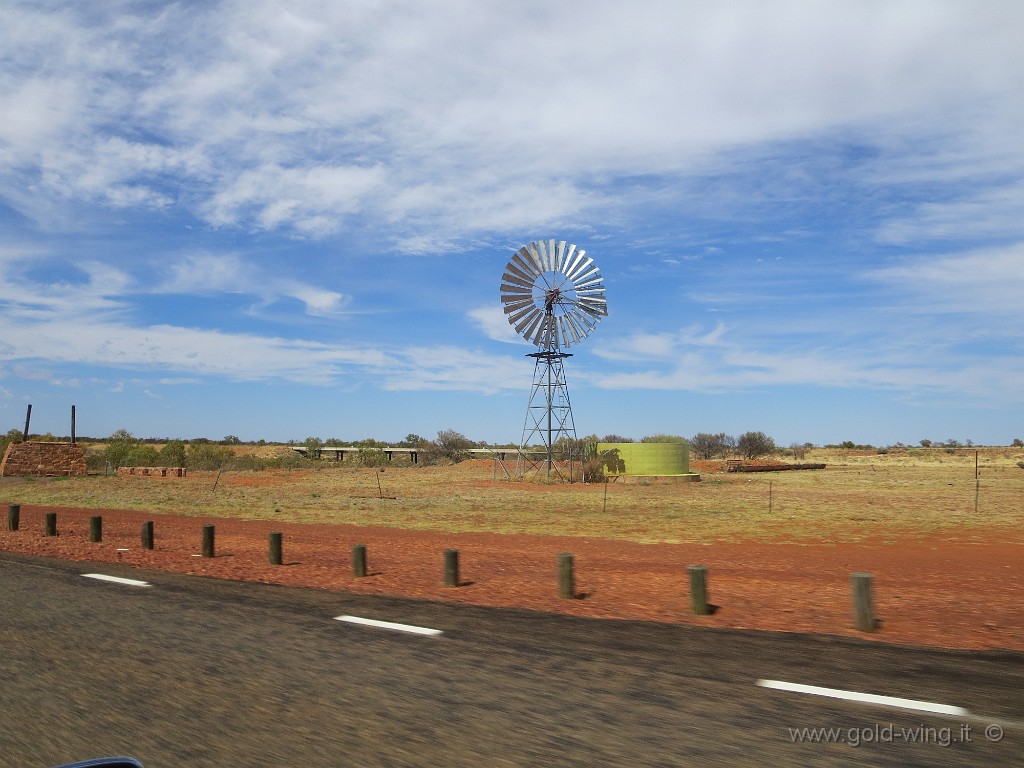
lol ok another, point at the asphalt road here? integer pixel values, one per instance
(197, 672)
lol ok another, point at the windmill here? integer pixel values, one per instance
(553, 295)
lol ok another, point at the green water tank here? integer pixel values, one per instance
(646, 459)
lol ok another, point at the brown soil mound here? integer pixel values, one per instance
(928, 590)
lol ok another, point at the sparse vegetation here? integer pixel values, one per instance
(753, 445)
(663, 439)
(12, 436)
(704, 445)
(860, 496)
(799, 451)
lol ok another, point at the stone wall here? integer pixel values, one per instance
(150, 471)
(31, 459)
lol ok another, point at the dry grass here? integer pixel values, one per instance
(858, 497)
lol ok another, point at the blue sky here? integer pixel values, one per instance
(288, 219)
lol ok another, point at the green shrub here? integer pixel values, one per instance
(751, 445)
(370, 457)
(209, 456)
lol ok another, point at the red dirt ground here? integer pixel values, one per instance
(928, 590)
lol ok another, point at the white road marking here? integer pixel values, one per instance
(116, 579)
(867, 698)
(389, 625)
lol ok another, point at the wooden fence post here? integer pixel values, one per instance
(699, 590)
(359, 561)
(275, 548)
(863, 607)
(51, 524)
(451, 567)
(208, 535)
(13, 517)
(147, 535)
(566, 579)
(96, 529)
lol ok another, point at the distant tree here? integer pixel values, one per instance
(313, 446)
(12, 436)
(704, 445)
(800, 450)
(1017, 442)
(125, 450)
(663, 439)
(617, 439)
(453, 445)
(751, 445)
(412, 440)
(449, 447)
(370, 456)
(952, 443)
(231, 440)
(208, 456)
(848, 444)
(172, 454)
(564, 447)
(926, 443)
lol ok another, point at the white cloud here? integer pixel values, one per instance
(315, 200)
(212, 273)
(993, 213)
(32, 297)
(456, 369)
(164, 348)
(986, 281)
(190, 353)
(298, 117)
(647, 346)
(914, 360)
(493, 323)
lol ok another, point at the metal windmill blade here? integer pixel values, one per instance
(553, 294)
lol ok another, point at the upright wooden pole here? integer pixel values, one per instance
(863, 606)
(13, 517)
(699, 590)
(208, 536)
(566, 577)
(51, 524)
(276, 555)
(72, 425)
(147, 535)
(96, 529)
(451, 567)
(359, 561)
(28, 419)
(977, 482)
